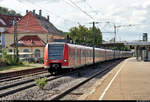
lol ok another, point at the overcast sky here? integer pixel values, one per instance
(64, 15)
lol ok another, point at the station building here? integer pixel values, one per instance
(33, 32)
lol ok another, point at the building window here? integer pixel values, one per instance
(26, 50)
(37, 53)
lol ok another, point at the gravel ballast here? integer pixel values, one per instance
(57, 86)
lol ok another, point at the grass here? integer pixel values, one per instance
(19, 67)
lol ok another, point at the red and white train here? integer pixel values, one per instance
(58, 56)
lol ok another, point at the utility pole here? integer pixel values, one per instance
(115, 31)
(16, 58)
(94, 37)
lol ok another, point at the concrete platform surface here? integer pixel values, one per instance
(130, 80)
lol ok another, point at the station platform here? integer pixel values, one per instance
(129, 80)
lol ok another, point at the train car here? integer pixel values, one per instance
(109, 54)
(117, 54)
(58, 56)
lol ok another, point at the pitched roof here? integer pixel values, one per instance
(7, 20)
(30, 41)
(48, 25)
(33, 23)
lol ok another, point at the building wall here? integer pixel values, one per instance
(9, 39)
(32, 49)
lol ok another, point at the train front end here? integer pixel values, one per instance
(55, 57)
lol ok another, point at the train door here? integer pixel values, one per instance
(71, 56)
(76, 57)
(105, 52)
(85, 52)
(82, 57)
(79, 56)
(88, 56)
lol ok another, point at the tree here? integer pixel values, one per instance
(98, 33)
(5, 11)
(84, 35)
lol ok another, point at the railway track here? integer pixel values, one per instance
(77, 85)
(19, 86)
(25, 84)
(8, 76)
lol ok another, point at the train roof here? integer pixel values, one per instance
(56, 43)
(83, 46)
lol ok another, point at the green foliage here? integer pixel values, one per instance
(3, 58)
(121, 48)
(84, 35)
(41, 82)
(25, 63)
(9, 59)
(5, 11)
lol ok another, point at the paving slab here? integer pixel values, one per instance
(130, 80)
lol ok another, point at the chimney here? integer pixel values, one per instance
(34, 12)
(27, 11)
(40, 12)
(48, 17)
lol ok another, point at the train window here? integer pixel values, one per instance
(55, 51)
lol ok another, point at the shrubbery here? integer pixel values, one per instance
(9, 59)
(41, 82)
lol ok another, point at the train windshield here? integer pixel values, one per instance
(55, 51)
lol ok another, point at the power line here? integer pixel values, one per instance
(69, 4)
(95, 11)
(81, 9)
(48, 11)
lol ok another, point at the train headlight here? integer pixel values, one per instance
(46, 61)
(65, 60)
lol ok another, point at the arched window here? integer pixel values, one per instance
(37, 53)
(26, 50)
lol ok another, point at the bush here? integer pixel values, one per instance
(41, 82)
(10, 60)
(3, 57)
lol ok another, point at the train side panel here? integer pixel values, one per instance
(71, 57)
(46, 64)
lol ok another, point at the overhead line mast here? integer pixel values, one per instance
(94, 36)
